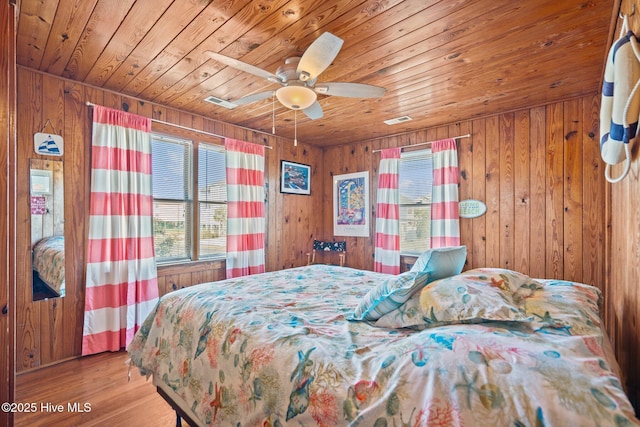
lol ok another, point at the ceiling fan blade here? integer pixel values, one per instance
(350, 90)
(243, 66)
(252, 98)
(318, 56)
(314, 111)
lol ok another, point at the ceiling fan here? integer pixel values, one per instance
(298, 78)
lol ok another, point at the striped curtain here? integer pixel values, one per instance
(387, 249)
(121, 283)
(445, 222)
(245, 208)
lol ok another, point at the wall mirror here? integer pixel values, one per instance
(46, 183)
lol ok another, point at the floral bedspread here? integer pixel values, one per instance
(275, 349)
(48, 261)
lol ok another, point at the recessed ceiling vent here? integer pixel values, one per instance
(397, 120)
(220, 102)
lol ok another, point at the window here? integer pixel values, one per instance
(180, 231)
(416, 174)
(212, 200)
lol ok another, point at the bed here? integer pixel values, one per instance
(334, 346)
(48, 262)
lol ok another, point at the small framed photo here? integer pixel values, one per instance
(41, 182)
(295, 178)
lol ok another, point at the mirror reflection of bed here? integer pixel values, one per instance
(47, 228)
(40, 289)
(48, 268)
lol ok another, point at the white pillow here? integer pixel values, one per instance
(441, 262)
(389, 295)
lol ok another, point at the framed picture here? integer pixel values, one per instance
(41, 181)
(295, 178)
(351, 204)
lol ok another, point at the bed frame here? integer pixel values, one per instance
(180, 413)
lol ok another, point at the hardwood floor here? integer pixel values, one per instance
(91, 391)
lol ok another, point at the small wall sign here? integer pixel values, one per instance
(38, 205)
(48, 144)
(471, 208)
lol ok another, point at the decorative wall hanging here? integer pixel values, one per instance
(295, 178)
(351, 204)
(38, 205)
(41, 181)
(471, 208)
(620, 103)
(48, 144)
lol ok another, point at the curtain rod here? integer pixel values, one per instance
(90, 104)
(425, 143)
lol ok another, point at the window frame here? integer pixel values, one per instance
(192, 234)
(428, 154)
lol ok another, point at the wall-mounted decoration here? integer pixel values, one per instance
(41, 181)
(351, 204)
(48, 144)
(295, 178)
(38, 205)
(471, 208)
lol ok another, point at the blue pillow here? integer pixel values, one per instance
(389, 294)
(441, 262)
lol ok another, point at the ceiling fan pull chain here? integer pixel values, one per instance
(273, 113)
(295, 128)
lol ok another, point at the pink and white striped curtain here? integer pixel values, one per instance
(387, 249)
(121, 284)
(445, 222)
(245, 208)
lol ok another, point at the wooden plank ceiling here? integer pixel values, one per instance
(440, 61)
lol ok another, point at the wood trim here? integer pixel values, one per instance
(8, 16)
(190, 267)
(621, 216)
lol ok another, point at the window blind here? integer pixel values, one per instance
(172, 177)
(415, 183)
(212, 200)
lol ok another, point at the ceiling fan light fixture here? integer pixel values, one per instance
(296, 97)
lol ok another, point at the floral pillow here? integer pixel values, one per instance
(518, 284)
(565, 307)
(464, 298)
(389, 295)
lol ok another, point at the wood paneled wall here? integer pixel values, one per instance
(623, 290)
(49, 331)
(7, 206)
(539, 173)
